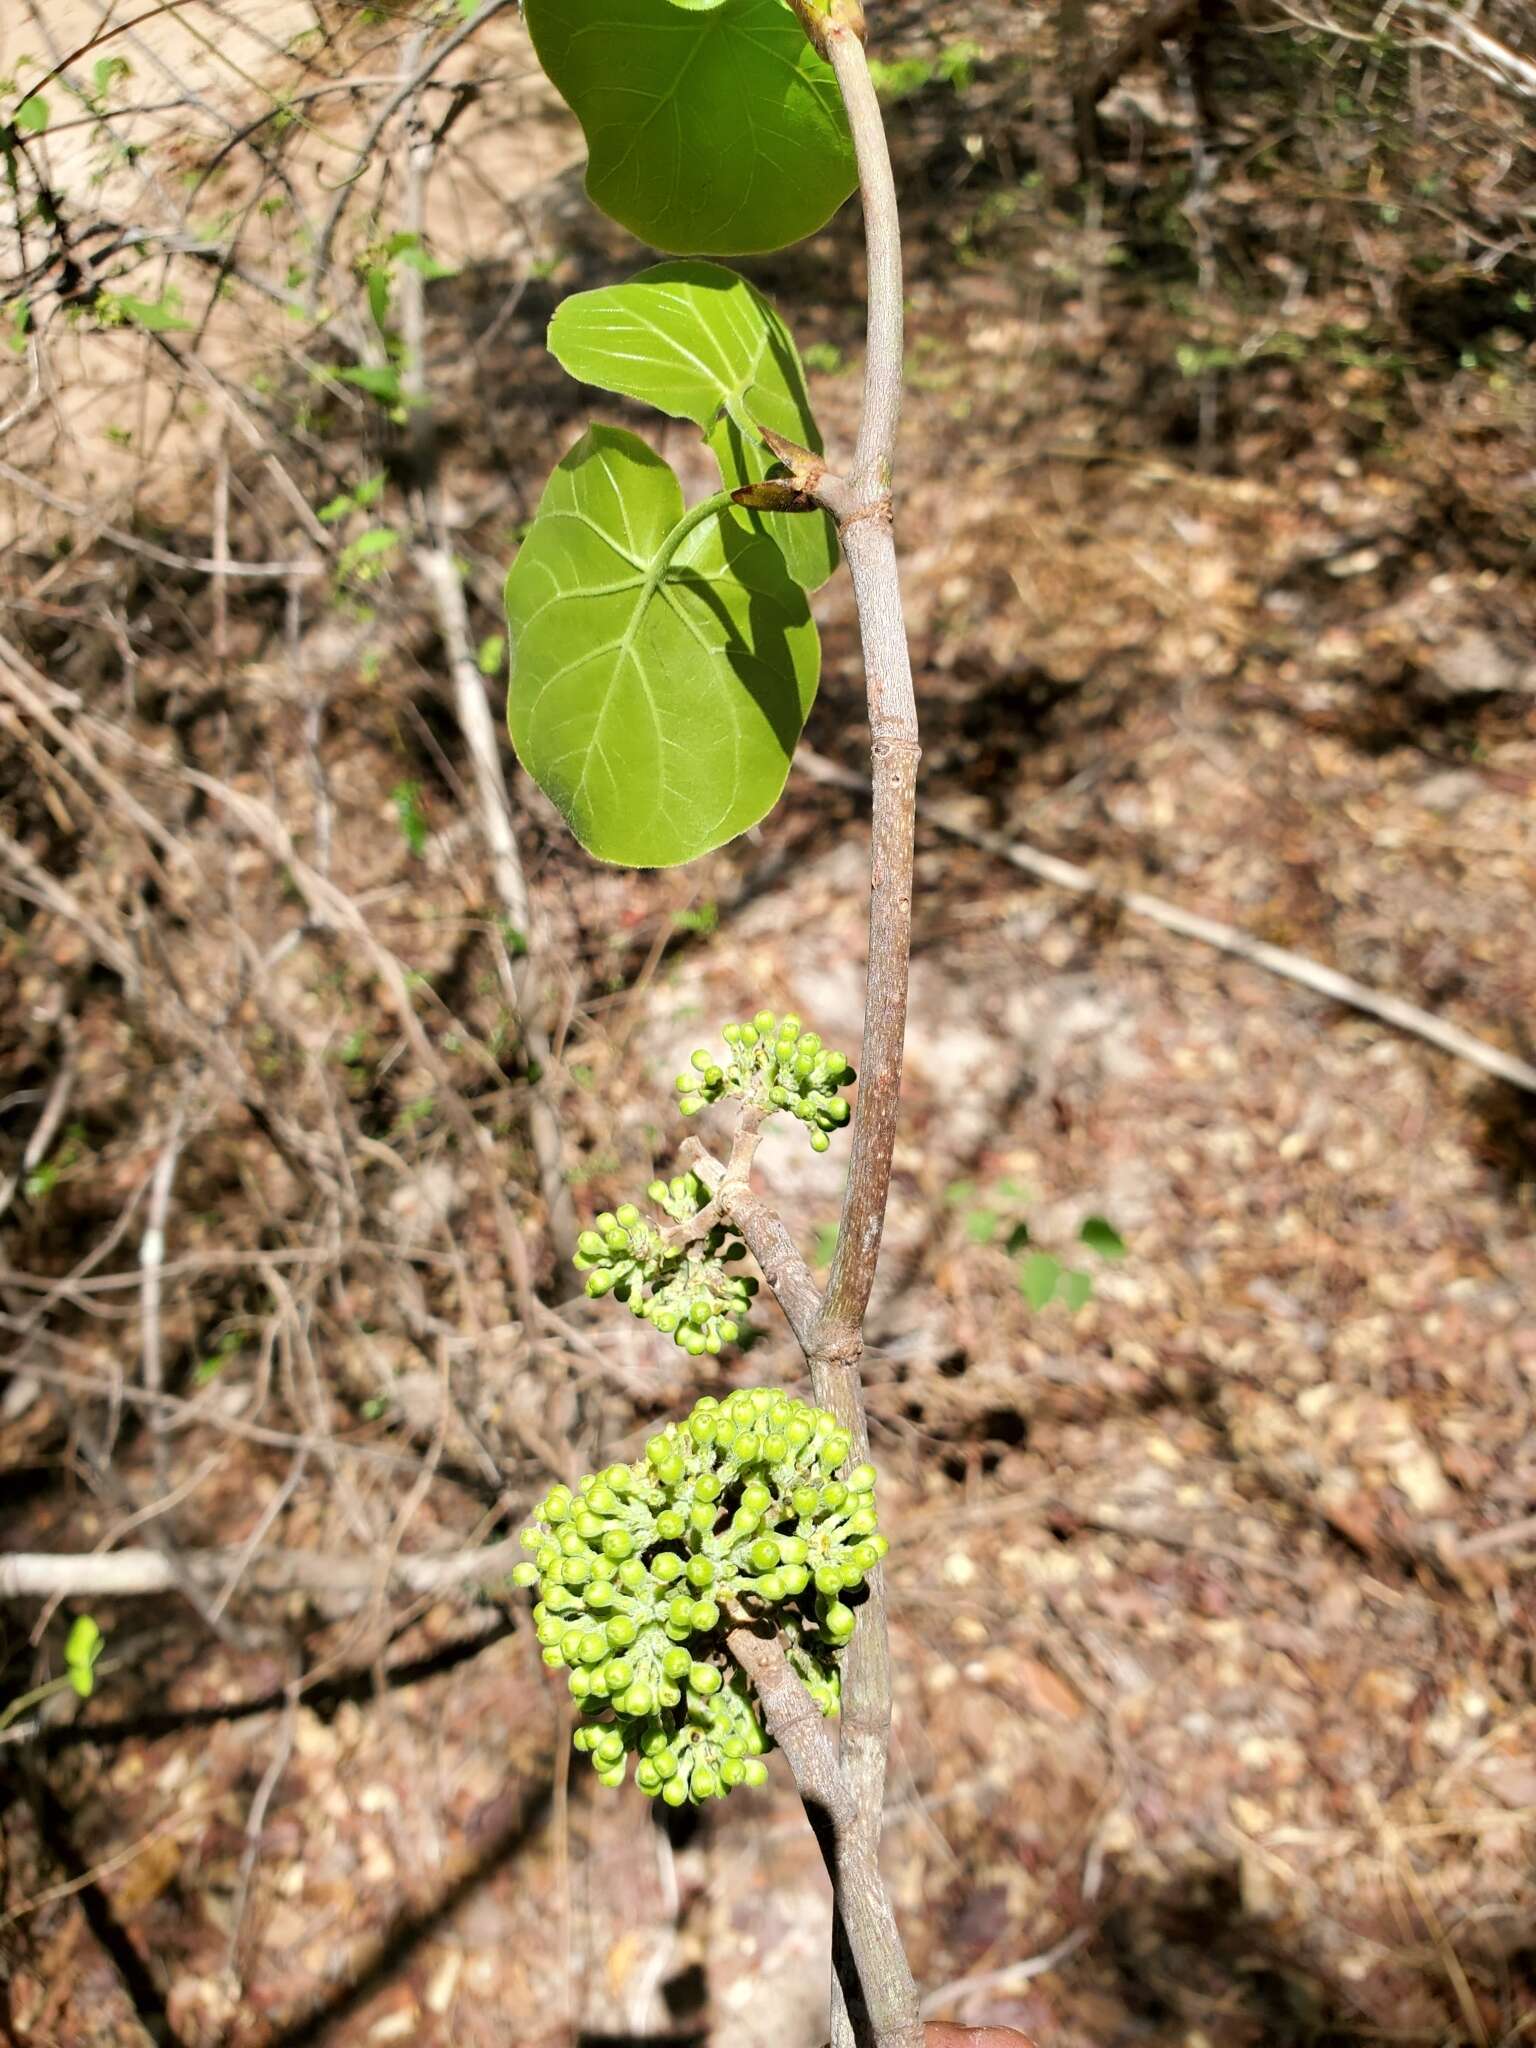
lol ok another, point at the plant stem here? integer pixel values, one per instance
(14, 1709)
(875, 451)
(879, 1985)
(768, 1239)
(707, 508)
(874, 1996)
(863, 511)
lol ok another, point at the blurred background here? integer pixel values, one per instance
(1203, 1355)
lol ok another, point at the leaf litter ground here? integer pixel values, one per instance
(1207, 1687)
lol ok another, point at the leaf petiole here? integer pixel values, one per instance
(696, 515)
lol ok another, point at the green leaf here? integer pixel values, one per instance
(379, 381)
(1018, 1240)
(1101, 1236)
(1075, 1290)
(406, 798)
(365, 556)
(430, 267)
(82, 1647)
(1037, 1278)
(711, 130)
(699, 342)
(656, 702)
(493, 652)
(31, 117)
(982, 1225)
(378, 297)
(154, 316)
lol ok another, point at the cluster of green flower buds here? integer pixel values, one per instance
(773, 1064)
(687, 1291)
(641, 1571)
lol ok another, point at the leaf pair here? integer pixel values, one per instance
(664, 662)
(698, 342)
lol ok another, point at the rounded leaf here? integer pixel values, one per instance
(712, 131)
(656, 702)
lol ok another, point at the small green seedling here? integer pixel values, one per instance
(411, 816)
(82, 1652)
(1042, 1276)
(357, 499)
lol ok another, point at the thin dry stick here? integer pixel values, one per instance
(333, 908)
(367, 147)
(130, 1574)
(151, 1268)
(46, 1128)
(1011, 1974)
(36, 885)
(192, 1413)
(206, 565)
(435, 558)
(1226, 938)
(38, 701)
(255, 1821)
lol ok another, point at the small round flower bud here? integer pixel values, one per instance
(838, 1621)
